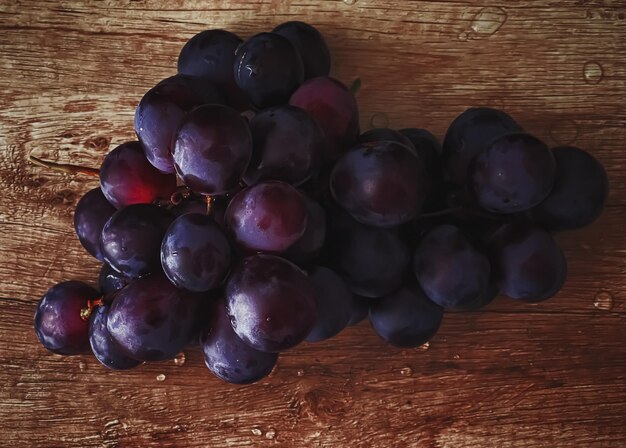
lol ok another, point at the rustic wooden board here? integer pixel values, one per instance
(514, 375)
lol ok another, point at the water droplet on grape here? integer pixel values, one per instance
(257, 431)
(179, 360)
(593, 72)
(379, 120)
(489, 20)
(270, 434)
(300, 372)
(350, 2)
(406, 371)
(160, 377)
(603, 301)
(564, 132)
(424, 347)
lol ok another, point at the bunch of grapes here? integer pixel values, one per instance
(252, 215)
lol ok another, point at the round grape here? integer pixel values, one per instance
(579, 193)
(380, 184)
(195, 254)
(268, 69)
(131, 239)
(126, 177)
(513, 174)
(152, 320)
(531, 266)
(372, 261)
(449, 268)
(271, 303)
(212, 149)
(59, 324)
(406, 318)
(269, 216)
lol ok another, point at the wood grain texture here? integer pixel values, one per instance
(514, 375)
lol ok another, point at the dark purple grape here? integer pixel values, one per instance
(310, 44)
(449, 268)
(195, 254)
(110, 281)
(579, 193)
(227, 356)
(210, 54)
(104, 348)
(530, 265)
(372, 261)
(126, 177)
(271, 303)
(212, 149)
(428, 150)
(406, 318)
(471, 132)
(287, 145)
(513, 174)
(334, 109)
(269, 216)
(131, 239)
(380, 184)
(385, 135)
(161, 111)
(91, 214)
(311, 243)
(59, 324)
(152, 320)
(333, 304)
(268, 69)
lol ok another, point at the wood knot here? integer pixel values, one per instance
(98, 143)
(325, 406)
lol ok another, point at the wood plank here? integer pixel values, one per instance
(515, 375)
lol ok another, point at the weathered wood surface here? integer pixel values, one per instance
(513, 376)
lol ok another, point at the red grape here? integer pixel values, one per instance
(59, 324)
(126, 177)
(334, 109)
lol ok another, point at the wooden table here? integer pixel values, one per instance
(515, 375)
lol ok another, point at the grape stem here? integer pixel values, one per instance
(209, 203)
(64, 167)
(85, 313)
(453, 210)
